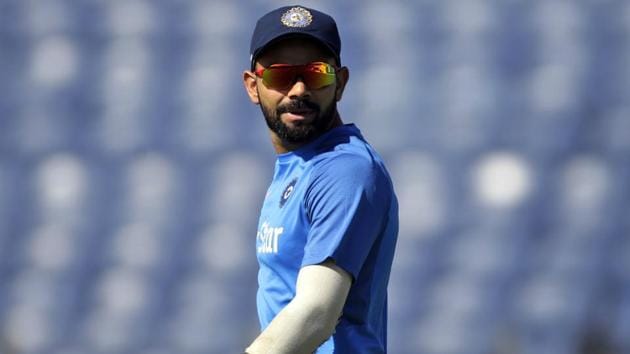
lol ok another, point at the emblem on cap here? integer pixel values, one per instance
(297, 17)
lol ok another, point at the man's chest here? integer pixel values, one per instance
(283, 226)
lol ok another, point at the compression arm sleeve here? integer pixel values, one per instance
(310, 318)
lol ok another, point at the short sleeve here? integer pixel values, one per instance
(347, 203)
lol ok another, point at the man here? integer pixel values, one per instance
(329, 222)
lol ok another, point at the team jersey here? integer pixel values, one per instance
(332, 198)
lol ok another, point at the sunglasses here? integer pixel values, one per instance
(282, 76)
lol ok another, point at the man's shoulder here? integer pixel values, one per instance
(344, 160)
(349, 168)
(347, 155)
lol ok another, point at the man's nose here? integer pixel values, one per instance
(299, 89)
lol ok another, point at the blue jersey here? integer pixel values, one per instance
(332, 198)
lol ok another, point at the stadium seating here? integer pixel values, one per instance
(132, 167)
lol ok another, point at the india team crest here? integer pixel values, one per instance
(297, 17)
(288, 190)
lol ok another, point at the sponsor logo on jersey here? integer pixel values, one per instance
(268, 237)
(288, 190)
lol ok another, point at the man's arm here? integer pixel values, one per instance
(310, 318)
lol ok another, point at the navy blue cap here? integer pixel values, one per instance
(295, 20)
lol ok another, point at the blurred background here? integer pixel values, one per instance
(133, 166)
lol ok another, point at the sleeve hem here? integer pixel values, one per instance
(314, 260)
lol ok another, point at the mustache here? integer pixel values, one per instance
(297, 105)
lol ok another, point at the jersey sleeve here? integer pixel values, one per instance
(346, 202)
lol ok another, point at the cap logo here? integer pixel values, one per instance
(297, 17)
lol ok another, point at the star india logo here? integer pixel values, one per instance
(297, 17)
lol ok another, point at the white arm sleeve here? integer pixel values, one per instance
(310, 318)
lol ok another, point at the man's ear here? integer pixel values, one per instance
(343, 75)
(251, 86)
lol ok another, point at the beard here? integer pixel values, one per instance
(300, 132)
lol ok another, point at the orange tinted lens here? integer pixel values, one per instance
(315, 75)
(318, 75)
(279, 77)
